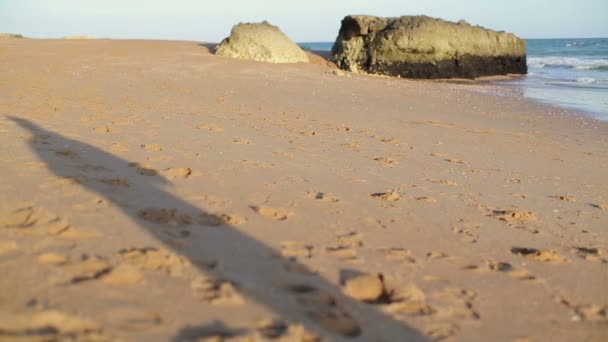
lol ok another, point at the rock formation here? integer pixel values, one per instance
(424, 47)
(261, 42)
(10, 35)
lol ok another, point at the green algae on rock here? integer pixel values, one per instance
(425, 47)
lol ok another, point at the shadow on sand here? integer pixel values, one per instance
(258, 271)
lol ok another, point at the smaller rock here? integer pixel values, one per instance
(365, 287)
(261, 42)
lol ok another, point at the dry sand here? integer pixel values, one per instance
(151, 191)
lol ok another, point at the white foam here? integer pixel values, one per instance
(586, 80)
(568, 62)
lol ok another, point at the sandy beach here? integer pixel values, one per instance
(152, 191)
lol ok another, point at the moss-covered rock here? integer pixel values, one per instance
(424, 47)
(261, 42)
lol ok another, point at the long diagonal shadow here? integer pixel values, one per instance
(257, 269)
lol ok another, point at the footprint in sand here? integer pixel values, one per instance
(48, 325)
(436, 255)
(398, 254)
(523, 274)
(256, 164)
(231, 219)
(467, 230)
(349, 239)
(345, 246)
(154, 259)
(442, 331)
(544, 255)
(324, 310)
(167, 216)
(490, 265)
(386, 161)
(589, 253)
(354, 146)
(455, 303)
(152, 147)
(564, 198)
(215, 332)
(393, 141)
(119, 182)
(143, 170)
(516, 218)
(501, 267)
(177, 172)
(119, 147)
(132, 318)
(210, 128)
(405, 299)
(449, 303)
(430, 200)
(296, 249)
(585, 312)
(271, 328)
(482, 131)
(103, 129)
(322, 196)
(175, 218)
(216, 291)
(602, 206)
(37, 221)
(67, 153)
(441, 181)
(391, 196)
(447, 158)
(278, 214)
(242, 141)
(85, 269)
(274, 329)
(434, 123)
(343, 253)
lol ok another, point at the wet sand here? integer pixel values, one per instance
(150, 190)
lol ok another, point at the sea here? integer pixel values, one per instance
(570, 73)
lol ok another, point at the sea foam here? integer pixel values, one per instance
(568, 62)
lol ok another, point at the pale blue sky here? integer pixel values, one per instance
(308, 20)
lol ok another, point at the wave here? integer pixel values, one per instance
(577, 85)
(576, 44)
(568, 63)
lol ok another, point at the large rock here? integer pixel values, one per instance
(424, 47)
(261, 42)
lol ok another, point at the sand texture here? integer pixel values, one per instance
(151, 191)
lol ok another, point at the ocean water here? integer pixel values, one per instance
(572, 73)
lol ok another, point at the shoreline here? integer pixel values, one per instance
(150, 190)
(324, 57)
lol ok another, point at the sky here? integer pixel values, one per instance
(303, 21)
